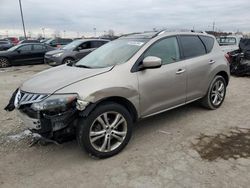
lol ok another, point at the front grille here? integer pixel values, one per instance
(28, 98)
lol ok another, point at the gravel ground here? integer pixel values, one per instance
(180, 148)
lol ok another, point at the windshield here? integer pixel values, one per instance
(113, 53)
(72, 45)
(13, 48)
(227, 41)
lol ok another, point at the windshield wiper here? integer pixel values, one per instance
(83, 66)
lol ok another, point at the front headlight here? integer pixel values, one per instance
(54, 102)
(57, 55)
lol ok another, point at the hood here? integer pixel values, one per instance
(53, 79)
(54, 52)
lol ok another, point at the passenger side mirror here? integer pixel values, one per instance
(151, 62)
(18, 51)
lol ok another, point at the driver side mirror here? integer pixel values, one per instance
(78, 48)
(151, 62)
(18, 51)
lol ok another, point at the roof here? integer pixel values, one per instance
(152, 34)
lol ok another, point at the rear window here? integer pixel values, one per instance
(192, 46)
(208, 42)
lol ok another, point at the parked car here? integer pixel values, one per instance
(101, 96)
(13, 40)
(58, 42)
(73, 51)
(29, 41)
(229, 43)
(22, 54)
(5, 45)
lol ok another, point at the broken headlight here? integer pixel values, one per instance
(55, 102)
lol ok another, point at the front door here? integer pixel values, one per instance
(22, 54)
(163, 87)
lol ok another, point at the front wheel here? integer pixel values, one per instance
(215, 94)
(106, 131)
(4, 62)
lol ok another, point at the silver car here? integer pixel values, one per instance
(99, 98)
(73, 51)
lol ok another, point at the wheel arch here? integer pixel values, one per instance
(116, 99)
(224, 75)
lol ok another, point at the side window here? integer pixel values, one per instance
(192, 46)
(25, 48)
(38, 47)
(85, 45)
(208, 41)
(96, 44)
(166, 49)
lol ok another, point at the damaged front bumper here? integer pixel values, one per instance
(51, 116)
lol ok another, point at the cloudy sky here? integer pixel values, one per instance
(78, 17)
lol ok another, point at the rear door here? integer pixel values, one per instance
(198, 61)
(38, 52)
(164, 87)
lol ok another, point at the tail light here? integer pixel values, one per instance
(228, 57)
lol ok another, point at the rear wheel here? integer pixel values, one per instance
(216, 93)
(106, 131)
(4, 62)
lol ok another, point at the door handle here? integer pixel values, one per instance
(211, 61)
(180, 71)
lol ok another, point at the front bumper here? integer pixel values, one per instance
(53, 61)
(31, 123)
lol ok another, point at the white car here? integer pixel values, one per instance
(229, 43)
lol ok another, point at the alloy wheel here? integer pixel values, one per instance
(108, 131)
(4, 63)
(217, 93)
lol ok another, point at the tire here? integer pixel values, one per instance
(67, 60)
(4, 62)
(95, 122)
(216, 88)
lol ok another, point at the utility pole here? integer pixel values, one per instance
(43, 32)
(24, 32)
(213, 26)
(94, 31)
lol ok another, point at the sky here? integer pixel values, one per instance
(74, 18)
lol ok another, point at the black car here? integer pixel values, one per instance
(22, 54)
(58, 42)
(5, 45)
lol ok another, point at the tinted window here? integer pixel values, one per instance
(25, 48)
(209, 42)
(96, 44)
(85, 45)
(38, 47)
(192, 46)
(166, 49)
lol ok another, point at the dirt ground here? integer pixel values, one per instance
(185, 147)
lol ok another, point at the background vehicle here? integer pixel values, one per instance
(240, 64)
(58, 42)
(29, 41)
(73, 51)
(13, 40)
(22, 54)
(229, 43)
(134, 77)
(5, 45)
